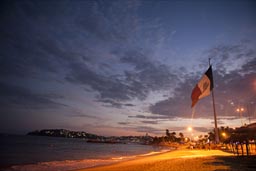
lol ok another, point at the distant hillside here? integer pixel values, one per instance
(64, 133)
(92, 137)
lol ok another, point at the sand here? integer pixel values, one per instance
(184, 160)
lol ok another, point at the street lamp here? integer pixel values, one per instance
(240, 110)
(190, 129)
(223, 134)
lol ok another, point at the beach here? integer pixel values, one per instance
(184, 160)
(61, 154)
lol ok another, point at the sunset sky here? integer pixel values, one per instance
(125, 67)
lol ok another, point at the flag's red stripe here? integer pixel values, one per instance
(195, 95)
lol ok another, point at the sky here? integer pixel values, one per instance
(125, 67)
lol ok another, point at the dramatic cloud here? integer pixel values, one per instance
(152, 130)
(81, 115)
(150, 122)
(234, 74)
(202, 129)
(133, 63)
(239, 58)
(39, 46)
(14, 96)
(149, 117)
(152, 74)
(50, 45)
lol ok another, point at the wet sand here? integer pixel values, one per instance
(184, 160)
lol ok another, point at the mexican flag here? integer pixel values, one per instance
(203, 87)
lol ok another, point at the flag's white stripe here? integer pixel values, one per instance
(204, 86)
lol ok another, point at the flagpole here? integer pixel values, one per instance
(214, 112)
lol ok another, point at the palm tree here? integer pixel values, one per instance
(173, 136)
(181, 138)
(181, 135)
(211, 136)
(168, 135)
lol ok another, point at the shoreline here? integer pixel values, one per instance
(67, 165)
(180, 160)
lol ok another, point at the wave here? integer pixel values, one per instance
(62, 165)
(155, 152)
(75, 164)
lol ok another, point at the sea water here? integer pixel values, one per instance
(34, 153)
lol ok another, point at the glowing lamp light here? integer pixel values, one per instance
(190, 129)
(240, 109)
(223, 134)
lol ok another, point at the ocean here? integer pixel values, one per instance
(37, 153)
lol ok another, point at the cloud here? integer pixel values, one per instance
(147, 129)
(238, 57)
(227, 117)
(18, 96)
(202, 129)
(150, 122)
(178, 105)
(114, 103)
(110, 21)
(111, 51)
(83, 116)
(46, 44)
(152, 74)
(123, 123)
(233, 81)
(79, 114)
(110, 103)
(137, 83)
(129, 105)
(109, 88)
(137, 116)
(149, 117)
(219, 122)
